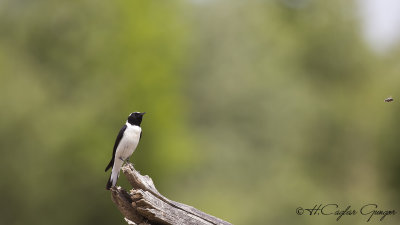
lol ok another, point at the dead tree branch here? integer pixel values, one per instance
(145, 205)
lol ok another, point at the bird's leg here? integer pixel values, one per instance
(127, 161)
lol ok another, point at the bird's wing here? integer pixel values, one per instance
(119, 137)
(140, 135)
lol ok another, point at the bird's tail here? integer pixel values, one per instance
(112, 181)
(109, 184)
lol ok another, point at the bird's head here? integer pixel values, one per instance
(135, 118)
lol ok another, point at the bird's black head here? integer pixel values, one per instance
(135, 118)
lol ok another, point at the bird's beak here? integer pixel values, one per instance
(142, 113)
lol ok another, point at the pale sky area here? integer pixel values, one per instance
(381, 23)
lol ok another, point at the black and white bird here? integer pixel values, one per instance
(125, 144)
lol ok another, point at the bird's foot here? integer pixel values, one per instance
(127, 161)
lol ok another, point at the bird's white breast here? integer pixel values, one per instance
(129, 141)
(132, 131)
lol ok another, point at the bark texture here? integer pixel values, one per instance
(145, 205)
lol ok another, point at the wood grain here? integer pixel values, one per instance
(145, 205)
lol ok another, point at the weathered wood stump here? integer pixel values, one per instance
(145, 205)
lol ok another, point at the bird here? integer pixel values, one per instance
(390, 99)
(125, 144)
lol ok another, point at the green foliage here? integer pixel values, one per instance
(71, 74)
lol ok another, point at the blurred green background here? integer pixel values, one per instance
(254, 108)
